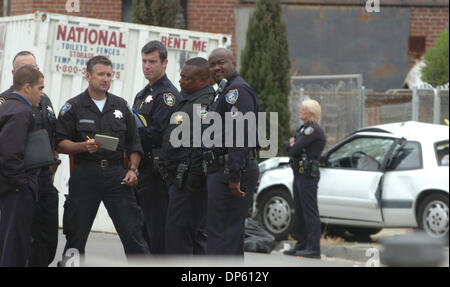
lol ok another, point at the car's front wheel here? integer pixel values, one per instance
(275, 212)
(433, 216)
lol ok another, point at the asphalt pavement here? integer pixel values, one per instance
(105, 250)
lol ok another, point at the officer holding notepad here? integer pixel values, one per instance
(98, 173)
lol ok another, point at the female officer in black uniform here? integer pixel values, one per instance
(304, 151)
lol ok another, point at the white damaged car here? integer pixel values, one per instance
(393, 175)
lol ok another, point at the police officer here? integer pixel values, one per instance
(305, 150)
(232, 182)
(187, 209)
(18, 187)
(98, 174)
(45, 219)
(154, 105)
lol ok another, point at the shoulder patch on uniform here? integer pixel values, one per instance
(2, 100)
(232, 96)
(65, 108)
(309, 131)
(169, 99)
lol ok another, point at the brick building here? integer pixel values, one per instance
(325, 36)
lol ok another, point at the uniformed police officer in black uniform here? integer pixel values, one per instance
(231, 187)
(18, 187)
(305, 150)
(188, 196)
(154, 105)
(45, 219)
(98, 173)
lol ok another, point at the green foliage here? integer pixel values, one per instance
(436, 70)
(157, 12)
(265, 64)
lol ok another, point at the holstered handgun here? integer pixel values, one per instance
(315, 168)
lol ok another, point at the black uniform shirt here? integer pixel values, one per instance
(191, 155)
(80, 118)
(310, 139)
(156, 103)
(238, 96)
(16, 122)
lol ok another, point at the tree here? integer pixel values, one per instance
(265, 64)
(157, 12)
(436, 70)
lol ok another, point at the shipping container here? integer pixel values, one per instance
(62, 45)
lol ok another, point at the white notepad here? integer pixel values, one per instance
(107, 142)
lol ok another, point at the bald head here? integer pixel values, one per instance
(221, 64)
(23, 58)
(224, 53)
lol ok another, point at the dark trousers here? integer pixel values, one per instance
(307, 229)
(88, 186)
(186, 217)
(16, 215)
(44, 230)
(153, 197)
(226, 212)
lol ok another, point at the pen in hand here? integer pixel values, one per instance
(90, 139)
(90, 144)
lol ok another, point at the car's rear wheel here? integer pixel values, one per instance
(275, 212)
(433, 216)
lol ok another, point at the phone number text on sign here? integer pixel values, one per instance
(75, 45)
(75, 70)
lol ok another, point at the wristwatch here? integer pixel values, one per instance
(136, 171)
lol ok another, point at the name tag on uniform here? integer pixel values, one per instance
(84, 121)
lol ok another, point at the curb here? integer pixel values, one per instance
(354, 253)
(358, 252)
(369, 254)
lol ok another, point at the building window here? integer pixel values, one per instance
(127, 10)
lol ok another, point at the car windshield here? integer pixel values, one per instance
(442, 153)
(363, 153)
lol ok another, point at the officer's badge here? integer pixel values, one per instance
(149, 99)
(118, 114)
(232, 96)
(179, 119)
(169, 99)
(234, 112)
(201, 111)
(2, 101)
(50, 110)
(65, 109)
(309, 131)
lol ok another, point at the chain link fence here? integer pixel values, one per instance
(340, 97)
(348, 106)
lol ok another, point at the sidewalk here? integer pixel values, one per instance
(368, 254)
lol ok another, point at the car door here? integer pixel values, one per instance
(350, 180)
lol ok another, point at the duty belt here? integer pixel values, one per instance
(305, 166)
(100, 163)
(214, 161)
